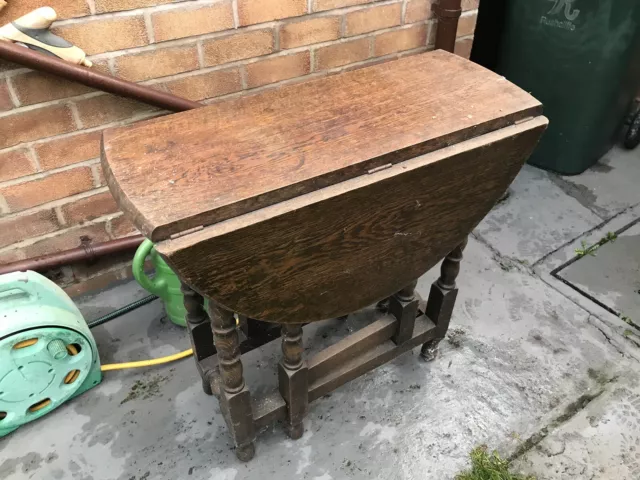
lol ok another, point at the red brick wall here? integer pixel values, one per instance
(52, 192)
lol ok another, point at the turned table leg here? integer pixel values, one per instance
(404, 306)
(200, 333)
(442, 298)
(293, 379)
(235, 399)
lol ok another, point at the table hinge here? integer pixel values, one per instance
(523, 120)
(186, 232)
(381, 167)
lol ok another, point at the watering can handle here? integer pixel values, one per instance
(152, 285)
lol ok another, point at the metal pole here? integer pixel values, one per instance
(92, 78)
(85, 253)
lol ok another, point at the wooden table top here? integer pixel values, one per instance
(190, 170)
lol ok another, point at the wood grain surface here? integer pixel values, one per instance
(196, 168)
(336, 250)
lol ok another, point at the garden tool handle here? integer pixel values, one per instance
(32, 30)
(38, 19)
(151, 285)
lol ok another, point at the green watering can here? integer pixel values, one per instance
(165, 283)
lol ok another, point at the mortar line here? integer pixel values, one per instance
(291, 51)
(47, 173)
(4, 206)
(151, 36)
(12, 93)
(92, 6)
(111, 64)
(190, 5)
(236, 16)
(53, 203)
(73, 108)
(31, 241)
(95, 175)
(33, 158)
(118, 123)
(276, 38)
(34, 143)
(49, 103)
(188, 40)
(60, 216)
(469, 13)
(312, 60)
(200, 51)
(243, 77)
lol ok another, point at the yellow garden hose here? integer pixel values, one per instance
(122, 366)
(147, 363)
(144, 363)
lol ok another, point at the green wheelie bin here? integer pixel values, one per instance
(581, 59)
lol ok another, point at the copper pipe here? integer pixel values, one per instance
(448, 12)
(84, 253)
(92, 78)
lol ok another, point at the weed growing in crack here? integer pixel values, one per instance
(626, 319)
(489, 466)
(591, 250)
(586, 250)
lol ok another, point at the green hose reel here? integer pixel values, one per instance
(47, 352)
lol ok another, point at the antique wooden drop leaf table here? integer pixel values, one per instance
(315, 200)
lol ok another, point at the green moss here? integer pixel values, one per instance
(597, 375)
(489, 466)
(577, 405)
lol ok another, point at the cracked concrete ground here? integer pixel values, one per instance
(530, 367)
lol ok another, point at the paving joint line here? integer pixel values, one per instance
(586, 232)
(570, 411)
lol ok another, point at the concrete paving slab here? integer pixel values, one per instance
(610, 186)
(611, 275)
(617, 331)
(601, 442)
(517, 352)
(536, 219)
